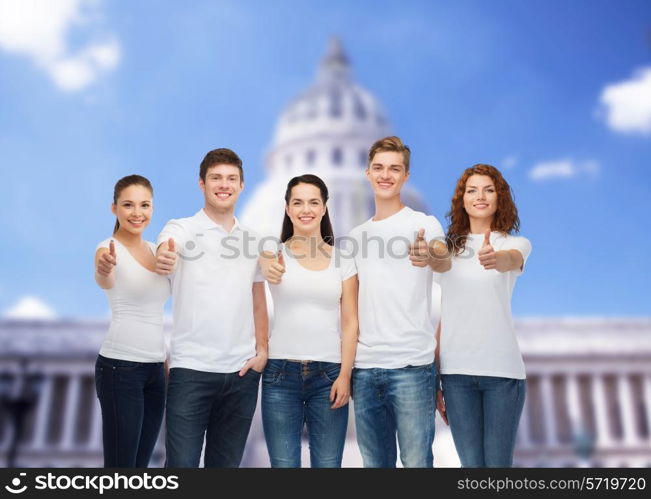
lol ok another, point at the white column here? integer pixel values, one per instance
(573, 400)
(549, 413)
(627, 410)
(646, 388)
(43, 412)
(70, 411)
(600, 407)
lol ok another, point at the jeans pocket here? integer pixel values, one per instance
(331, 373)
(118, 364)
(271, 377)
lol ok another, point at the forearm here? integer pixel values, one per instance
(507, 260)
(103, 281)
(349, 336)
(260, 319)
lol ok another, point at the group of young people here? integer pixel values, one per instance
(351, 318)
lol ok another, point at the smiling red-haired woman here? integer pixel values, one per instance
(482, 372)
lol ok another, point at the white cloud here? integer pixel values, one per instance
(563, 168)
(40, 30)
(30, 307)
(627, 104)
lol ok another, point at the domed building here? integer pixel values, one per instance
(326, 130)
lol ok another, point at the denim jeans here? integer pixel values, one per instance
(296, 394)
(484, 412)
(132, 398)
(217, 406)
(395, 401)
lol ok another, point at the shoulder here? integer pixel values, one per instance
(104, 244)
(428, 221)
(515, 242)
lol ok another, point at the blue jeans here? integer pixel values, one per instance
(132, 398)
(217, 406)
(484, 412)
(295, 394)
(395, 401)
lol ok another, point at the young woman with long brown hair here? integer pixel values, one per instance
(482, 372)
(129, 374)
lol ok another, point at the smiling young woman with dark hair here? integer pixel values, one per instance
(482, 372)
(312, 346)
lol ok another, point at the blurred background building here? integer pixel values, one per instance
(589, 380)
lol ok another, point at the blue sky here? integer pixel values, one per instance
(556, 93)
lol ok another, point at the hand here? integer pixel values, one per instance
(166, 259)
(419, 251)
(273, 273)
(487, 255)
(440, 406)
(256, 363)
(107, 261)
(340, 392)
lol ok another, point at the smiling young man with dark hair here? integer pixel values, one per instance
(220, 334)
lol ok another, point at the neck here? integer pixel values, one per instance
(300, 238)
(128, 238)
(225, 218)
(384, 208)
(480, 225)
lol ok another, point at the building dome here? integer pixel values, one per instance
(326, 130)
(332, 102)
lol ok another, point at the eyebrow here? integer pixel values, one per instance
(394, 164)
(300, 199)
(475, 187)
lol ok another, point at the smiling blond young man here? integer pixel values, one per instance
(395, 380)
(220, 334)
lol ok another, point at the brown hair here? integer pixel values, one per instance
(220, 156)
(505, 220)
(125, 182)
(390, 144)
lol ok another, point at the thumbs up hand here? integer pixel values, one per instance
(487, 255)
(419, 250)
(107, 261)
(166, 258)
(273, 273)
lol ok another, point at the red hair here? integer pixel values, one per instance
(505, 220)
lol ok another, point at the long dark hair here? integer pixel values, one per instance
(125, 182)
(505, 220)
(326, 226)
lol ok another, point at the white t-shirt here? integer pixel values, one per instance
(477, 335)
(212, 293)
(307, 309)
(395, 325)
(136, 300)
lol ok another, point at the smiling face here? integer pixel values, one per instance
(222, 187)
(480, 197)
(134, 208)
(387, 174)
(306, 209)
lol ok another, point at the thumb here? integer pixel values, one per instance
(421, 235)
(112, 248)
(281, 258)
(487, 237)
(170, 245)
